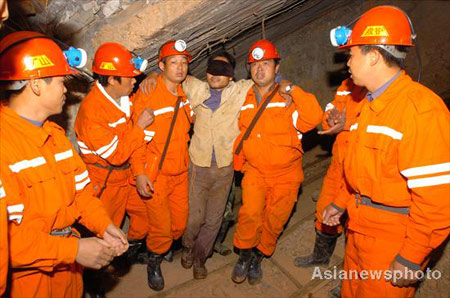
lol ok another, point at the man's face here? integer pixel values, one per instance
(52, 95)
(126, 85)
(263, 72)
(3, 12)
(175, 68)
(218, 82)
(359, 66)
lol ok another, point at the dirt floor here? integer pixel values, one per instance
(280, 277)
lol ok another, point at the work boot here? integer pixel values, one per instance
(187, 257)
(199, 270)
(168, 257)
(136, 253)
(222, 249)
(240, 270)
(254, 270)
(154, 276)
(323, 249)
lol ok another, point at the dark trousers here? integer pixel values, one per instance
(208, 194)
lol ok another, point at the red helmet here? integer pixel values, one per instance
(262, 50)
(27, 55)
(381, 25)
(174, 47)
(113, 59)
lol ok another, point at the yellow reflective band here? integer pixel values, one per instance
(107, 66)
(36, 62)
(375, 31)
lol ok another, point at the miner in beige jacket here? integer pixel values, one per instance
(216, 104)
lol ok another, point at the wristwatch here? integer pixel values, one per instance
(288, 89)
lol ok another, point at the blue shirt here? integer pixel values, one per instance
(372, 95)
(213, 102)
(37, 123)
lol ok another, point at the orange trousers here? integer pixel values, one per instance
(167, 211)
(119, 197)
(363, 252)
(64, 281)
(267, 204)
(330, 187)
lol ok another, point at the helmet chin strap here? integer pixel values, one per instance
(392, 50)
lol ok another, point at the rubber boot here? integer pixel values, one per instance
(254, 270)
(94, 283)
(154, 276)
(136, 253)
(240, 270)
(218, 246)
(335, 292)
(168, 257)
(323, 249)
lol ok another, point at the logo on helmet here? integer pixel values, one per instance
(375, 31)
(36, 62)
(107, 66)
(258, 53)
(180, 45)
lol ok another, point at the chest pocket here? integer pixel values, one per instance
(65, 161)
(278, 125)
(33, 172)
(382, 138)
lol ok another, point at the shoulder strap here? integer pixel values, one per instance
(255, 119)
(169, 135)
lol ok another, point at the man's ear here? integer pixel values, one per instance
(161, 65)
(34, 85)
(277, 68)
(112, 81)
(374, 57)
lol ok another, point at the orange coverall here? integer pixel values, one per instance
(48, 190)
(398, 156)
(348, 96)
(4, 255)
(273, 166)
(168, 209)
(107, 139)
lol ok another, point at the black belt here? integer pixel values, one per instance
(122, 167)
(363, 200)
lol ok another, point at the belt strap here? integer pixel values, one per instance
(122, 167)
(255, 119)
(363, 200)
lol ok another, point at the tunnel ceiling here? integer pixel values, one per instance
(143, 25)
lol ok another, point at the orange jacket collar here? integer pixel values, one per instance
(36, 134)
(160, 82)
(378, 104)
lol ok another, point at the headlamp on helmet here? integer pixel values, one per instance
(76, 57)
(340, 35)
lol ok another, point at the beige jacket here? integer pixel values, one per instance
(218, 129)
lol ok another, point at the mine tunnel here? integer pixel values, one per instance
(300, 30)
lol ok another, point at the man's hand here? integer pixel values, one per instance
(402, 276)
(332, 216)
(145, 118)
(144, 186)
(285, 94)
(336, 120)
(116, 239)
(149, 83)
(94, 253)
